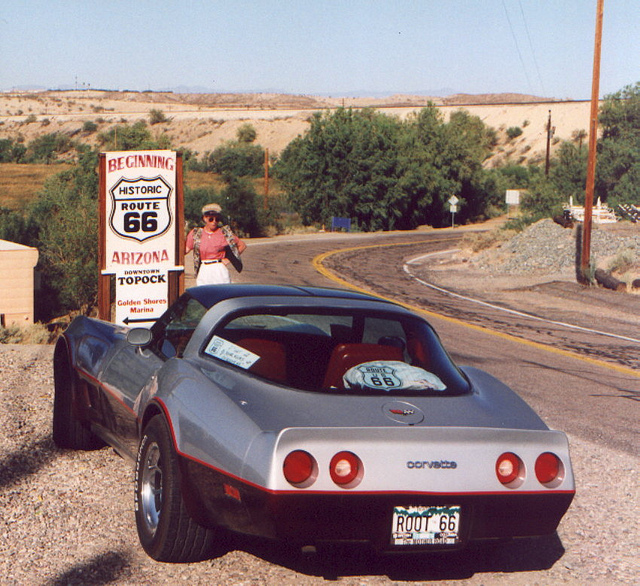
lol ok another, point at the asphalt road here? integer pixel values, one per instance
(581, 382)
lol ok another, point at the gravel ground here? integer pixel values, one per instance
(67, 518)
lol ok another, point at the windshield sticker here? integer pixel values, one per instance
(231, 353)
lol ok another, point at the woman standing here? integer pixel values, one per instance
(210, 247)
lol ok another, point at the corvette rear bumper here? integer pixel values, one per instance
(308, 518)
(369, 517)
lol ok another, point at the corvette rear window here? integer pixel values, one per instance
(338, 351)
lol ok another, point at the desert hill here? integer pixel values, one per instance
(201, 122)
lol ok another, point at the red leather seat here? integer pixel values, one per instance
(345, 356)
(272, 363)
(418, 353)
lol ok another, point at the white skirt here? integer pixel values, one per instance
(215, 273)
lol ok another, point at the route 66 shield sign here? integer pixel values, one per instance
(140, 207)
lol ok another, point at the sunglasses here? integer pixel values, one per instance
(211, 217)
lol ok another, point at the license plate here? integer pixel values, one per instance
(425, 525)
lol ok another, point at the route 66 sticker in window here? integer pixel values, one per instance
(390, 375)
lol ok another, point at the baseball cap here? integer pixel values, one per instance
(211, 208)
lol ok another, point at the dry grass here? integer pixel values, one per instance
(198, 180)
(479, 241)
(20, 184)
(28, 334)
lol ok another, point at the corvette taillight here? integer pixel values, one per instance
(548, 468)
(509, 468)
(346, 469)
(300, 468)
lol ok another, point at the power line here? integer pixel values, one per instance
(533, 53)
(515, 40)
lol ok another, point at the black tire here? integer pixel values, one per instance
(166, 531)
(68, 432)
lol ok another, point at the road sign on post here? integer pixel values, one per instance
(453, 208)
(140, 234)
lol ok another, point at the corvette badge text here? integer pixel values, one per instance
(417, 464)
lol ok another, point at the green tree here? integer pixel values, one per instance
(512, 176)
(386, 174)
(237, 159)
(579, 136)
(568, 172)
(445, 159)
(65, 229)
(345, 166)
(195, 200)
(618, 161)
(239, 206)
(14, 227)
(47, 148)
(542, 200)
(11, 151)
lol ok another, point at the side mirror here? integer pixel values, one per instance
(139, 336)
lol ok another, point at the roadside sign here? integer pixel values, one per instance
(141, 296)
(453, 208)
(140, 210)
(139, 234)
(512, 197)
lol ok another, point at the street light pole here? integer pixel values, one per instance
(585, 259)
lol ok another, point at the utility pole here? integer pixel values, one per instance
(549, 133)
(585, 259)
(266, 176)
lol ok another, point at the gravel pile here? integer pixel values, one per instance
(547, 247)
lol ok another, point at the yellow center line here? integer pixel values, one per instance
(318, 261)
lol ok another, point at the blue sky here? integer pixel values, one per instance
(329, 47)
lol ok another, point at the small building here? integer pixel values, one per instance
(17, 280)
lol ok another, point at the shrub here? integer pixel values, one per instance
(246, 133)
(127, 138)
(31, 334)
(46, 148)
(514, 132)
(623, 261)
(156, 116)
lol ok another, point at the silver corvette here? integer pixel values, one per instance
(307, 415)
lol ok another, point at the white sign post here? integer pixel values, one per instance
(453, 208)
(512, 198)
(140, 232)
